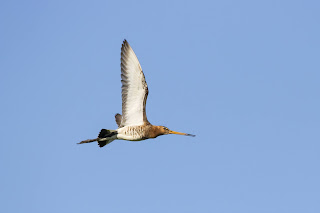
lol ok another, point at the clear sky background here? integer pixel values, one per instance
(241, 75)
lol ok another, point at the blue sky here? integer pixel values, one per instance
(241, 75)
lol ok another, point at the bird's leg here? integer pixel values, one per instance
(89, 141)
(105, 137)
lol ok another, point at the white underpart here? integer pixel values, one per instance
(128, 137)
(129, 133)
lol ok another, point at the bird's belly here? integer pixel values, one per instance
(130, 133)
(129, 137)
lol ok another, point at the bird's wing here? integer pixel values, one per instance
(118, 118)
(134, 88)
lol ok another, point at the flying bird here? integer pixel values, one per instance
(133, 124)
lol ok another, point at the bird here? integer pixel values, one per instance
(133, 124)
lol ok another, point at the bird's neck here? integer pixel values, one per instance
(155, 131)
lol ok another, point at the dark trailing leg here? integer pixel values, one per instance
(88, 141)
(104, 137)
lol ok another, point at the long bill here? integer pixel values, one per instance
(180, 133)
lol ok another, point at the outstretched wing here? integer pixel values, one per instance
(134, 88)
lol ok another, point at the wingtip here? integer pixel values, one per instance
(124, 46)
(124, 42)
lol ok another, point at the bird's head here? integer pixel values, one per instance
(162, 130)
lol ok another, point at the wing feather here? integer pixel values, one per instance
(134, 88)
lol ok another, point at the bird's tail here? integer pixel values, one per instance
(105, 133)
(104, 138)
